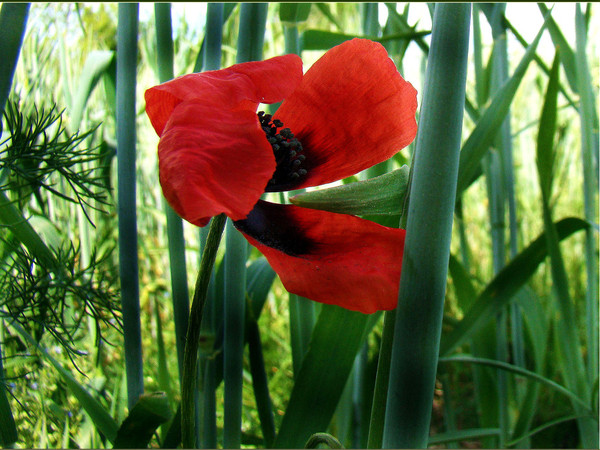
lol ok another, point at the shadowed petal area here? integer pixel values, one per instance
(351, 111)
(330, 258)
(213, 160)
(244, 85)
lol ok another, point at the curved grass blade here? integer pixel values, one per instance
(505, 284)
(336, 339)
(589, 154)
(567, 55)
(570, 359)
(428, 232)
(150, 411)
(104, 423)
(260, 277)
(96, 64)
(479, 141)
(464, 435)
(11, 218)
(523, 372)
(13, 21)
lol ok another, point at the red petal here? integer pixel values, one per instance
(213, 160)
(351, 111)
(244, 85)
(327, 257)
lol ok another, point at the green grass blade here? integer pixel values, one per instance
(8, 429)
(233, 344)
(150, 411)
(589, 147)
(573, 367)
(11, 218)
(100, 417)
(477, 144)
(552, 423)
(464, 435)
(127, 31)
(523, 372)
(336, 339)
(567, 55)
(176, 242)
(260, 384)
(96, 64)
(212, 19)
(377, 421)
(505, 285)
(164, 41)
(428, 232)
(260, 277)
(214, 36)
(13, 21)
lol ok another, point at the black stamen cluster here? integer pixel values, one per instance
(288, 154)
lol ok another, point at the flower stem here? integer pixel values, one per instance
(188, 382)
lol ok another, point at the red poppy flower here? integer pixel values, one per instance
(351, 110)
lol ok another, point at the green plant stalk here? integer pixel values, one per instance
(260, 384)
(13, 21)
(188, 383)
(589, 148)
(127, 30)
(501, 193)
(253, 17)
(233, 344)
(573, 367)
(377, 421)
(214, 36)
(429, 228)
(176, 242)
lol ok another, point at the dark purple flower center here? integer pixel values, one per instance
(291, 167)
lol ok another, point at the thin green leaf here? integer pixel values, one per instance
(11, 218)
(96, 64)
(546, 154)
(13, 21)
(259, 278)
(150, 411)
(382, 195)
(505, 284)
(322, 40)
(536, 430)
(567, 55)
(336, 339)
(478, 143)
(463, 435)
(520, 371)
